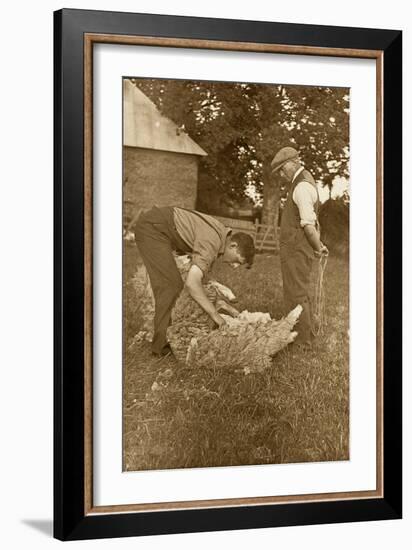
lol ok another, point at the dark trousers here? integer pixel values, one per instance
(296, 265)
(156, 238)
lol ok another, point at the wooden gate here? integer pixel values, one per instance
(265, 236)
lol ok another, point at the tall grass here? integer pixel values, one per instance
(297, 411)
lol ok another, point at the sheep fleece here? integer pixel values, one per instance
(246, 343)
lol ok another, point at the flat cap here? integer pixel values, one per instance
(282, 156)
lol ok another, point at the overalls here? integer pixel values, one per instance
(296, 257)
(156, 237)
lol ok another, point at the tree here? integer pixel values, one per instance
(242, 125)
(334, 222)
(328, 182)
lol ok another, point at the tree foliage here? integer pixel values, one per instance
(242, 125)
(334, 223)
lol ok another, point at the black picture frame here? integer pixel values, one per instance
(71, 522)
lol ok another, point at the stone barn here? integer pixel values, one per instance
(160, 161)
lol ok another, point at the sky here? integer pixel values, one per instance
(340, 185)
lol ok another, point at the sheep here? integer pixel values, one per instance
(219, 294)
(188, 317)
(246, 343)
(248, 340)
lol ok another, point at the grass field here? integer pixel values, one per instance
(297, 411)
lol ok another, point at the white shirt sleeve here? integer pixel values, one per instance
(305, 197)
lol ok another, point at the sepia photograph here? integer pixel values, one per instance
(236, 249)
(227, 274)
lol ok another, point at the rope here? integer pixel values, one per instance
(319, 300)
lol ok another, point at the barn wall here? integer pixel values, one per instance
(158, 177)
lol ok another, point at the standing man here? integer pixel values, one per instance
(299, 237)
(159, 232)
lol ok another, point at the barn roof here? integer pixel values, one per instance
(146, 127)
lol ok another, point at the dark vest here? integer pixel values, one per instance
(292, 235)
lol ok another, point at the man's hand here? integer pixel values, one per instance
(218, 319)
(323, 251)
(196, 291)
(312, 235)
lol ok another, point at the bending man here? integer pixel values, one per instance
(158, 233)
